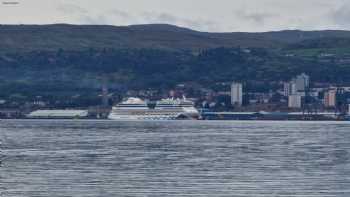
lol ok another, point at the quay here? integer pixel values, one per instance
(322, 116)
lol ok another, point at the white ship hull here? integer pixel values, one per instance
(140, 117)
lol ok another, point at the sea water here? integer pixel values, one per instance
(57, 158)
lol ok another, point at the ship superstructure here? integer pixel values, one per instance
(165, 109)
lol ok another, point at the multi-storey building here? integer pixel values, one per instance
(236, 94)
(294, 101)
(330, 98)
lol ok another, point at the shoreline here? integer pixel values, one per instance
(180, 120)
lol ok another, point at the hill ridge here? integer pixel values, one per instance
(17, 38)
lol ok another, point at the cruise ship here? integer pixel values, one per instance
(165, 109)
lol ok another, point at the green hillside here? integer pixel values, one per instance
(61, 61)
(15, 38)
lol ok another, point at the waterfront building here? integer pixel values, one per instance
(297, 85)
(302, 82)
(314, 94)
(294, 101)
(302, 94)
(236, 94)
(60, 114)
(289, 89)
(330, 98)
(39, 103)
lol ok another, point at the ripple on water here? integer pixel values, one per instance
(189, 158)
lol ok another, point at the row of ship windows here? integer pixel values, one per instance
(146, 114)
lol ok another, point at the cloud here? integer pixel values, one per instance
(94, 20)
(82, 15)
(122, 15)
(341, 15)
(118, 17)
(71, 9)
(198, 24)
(230, 15)
(258, 18)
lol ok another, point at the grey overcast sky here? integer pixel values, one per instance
(203, 15)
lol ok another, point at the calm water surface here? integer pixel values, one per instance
(190, 158)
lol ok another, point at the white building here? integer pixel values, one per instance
(289, 89)
(294, 101)
(58, 114)
(297, 86)
(237, 94)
